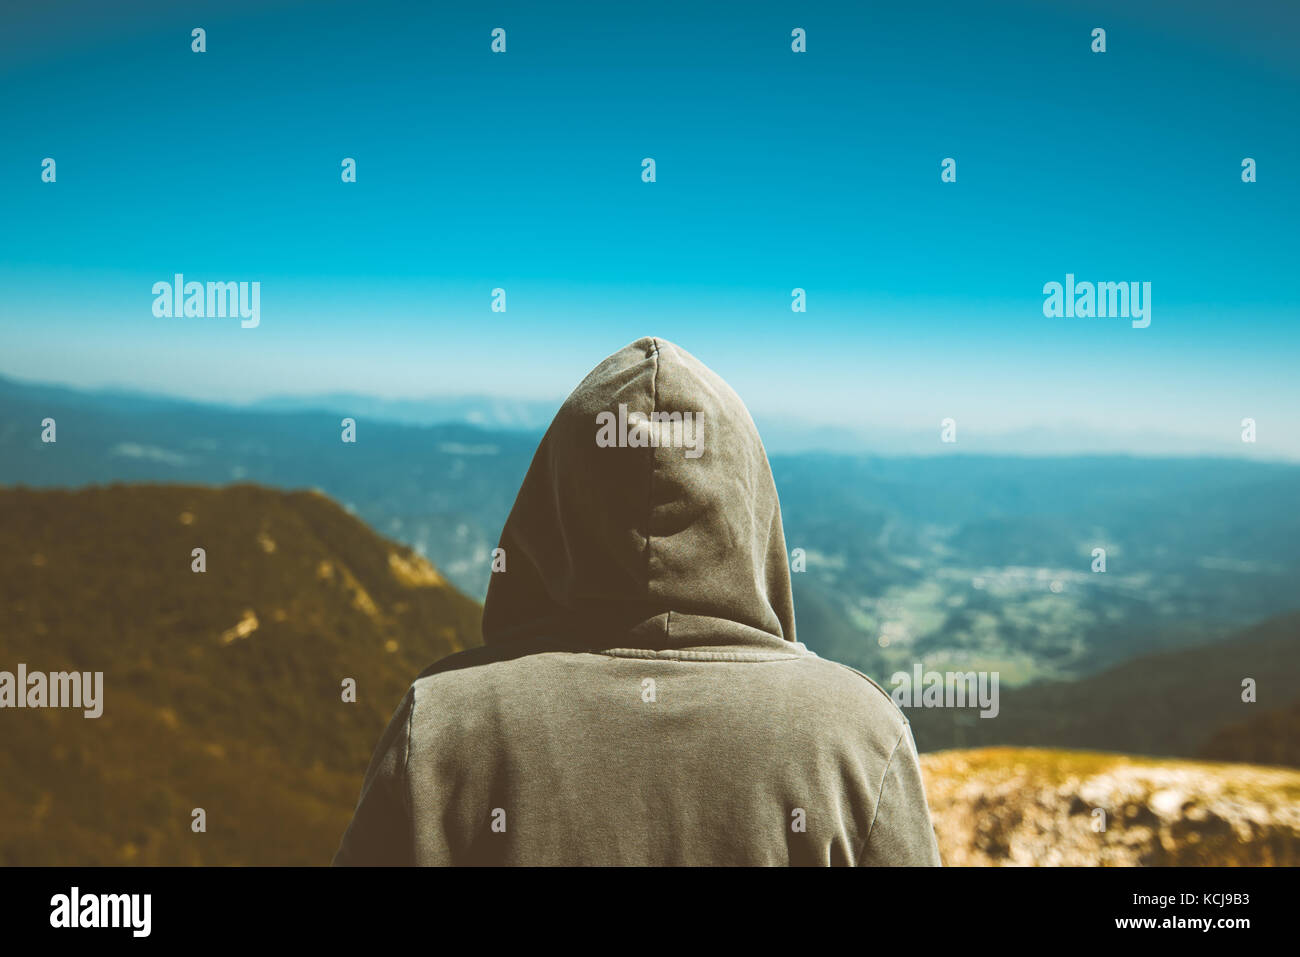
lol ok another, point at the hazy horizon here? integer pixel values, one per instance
(782, 433)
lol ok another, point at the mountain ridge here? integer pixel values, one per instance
(1184, 703)
(223, 690)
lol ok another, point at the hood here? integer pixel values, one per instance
(648, 518)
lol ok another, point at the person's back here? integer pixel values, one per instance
(641, 698)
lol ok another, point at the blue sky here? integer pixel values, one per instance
(775, 170)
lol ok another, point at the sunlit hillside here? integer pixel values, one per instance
(222, 689)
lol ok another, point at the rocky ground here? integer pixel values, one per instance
(1027, 806)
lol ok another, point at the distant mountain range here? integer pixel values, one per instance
(444, 490)
(522, 415)
(961, 560)
(782, 434)
(223, 690)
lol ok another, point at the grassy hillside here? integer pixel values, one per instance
(1023, 806)
(223, 689)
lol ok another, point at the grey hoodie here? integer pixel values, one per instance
(640, 697)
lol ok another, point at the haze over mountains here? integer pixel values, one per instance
(782, 432)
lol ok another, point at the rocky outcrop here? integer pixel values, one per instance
(1026, 806)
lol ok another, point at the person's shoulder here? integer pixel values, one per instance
(444, 699)
(846, 688)
(475, 673)
(463, 669)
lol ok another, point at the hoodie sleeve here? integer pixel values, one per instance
(382, 829)
(901, 832)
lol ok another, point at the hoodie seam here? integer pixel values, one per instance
(650, 484)
(875, 684)
(687, 655)
(880, 796)
(407, 794)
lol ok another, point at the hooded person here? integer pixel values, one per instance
(640, 697)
